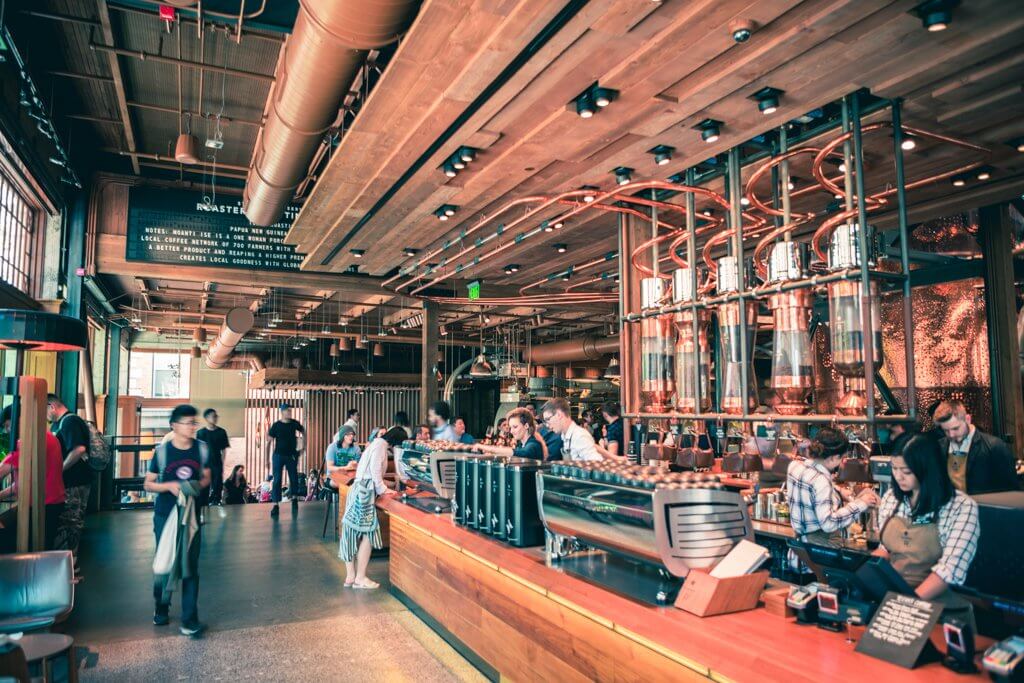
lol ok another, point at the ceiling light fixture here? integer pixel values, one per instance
(623, 175)
(959, 181)
(590, 191)
(548, 227)
(558, 224)
(710, 130)
(409, 251)
(984, 173)
(560, 247)
(358, 253)
(467, 154)
(449, 169)
(746, 202)
(445, 211)
(590, 100)
(936, 15)
(768, 100)
(662, 154)
(604, 96)
(511, 268)
(1017, 143)
(584, 106)
(908, 143)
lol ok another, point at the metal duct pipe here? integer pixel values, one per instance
(237, 322)
(583, 348)
(319, 61)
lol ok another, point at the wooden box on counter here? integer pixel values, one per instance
(705, 595)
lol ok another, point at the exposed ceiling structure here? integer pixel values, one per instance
(503, 79)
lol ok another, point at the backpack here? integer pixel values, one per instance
(99, 449)
(161, 458)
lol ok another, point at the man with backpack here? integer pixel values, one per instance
(180, 466)
(73, 434)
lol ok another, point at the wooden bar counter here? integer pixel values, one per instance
(529, 621)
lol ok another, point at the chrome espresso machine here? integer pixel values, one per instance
(638, 530)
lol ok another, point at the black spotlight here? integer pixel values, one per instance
(585, 106)
(623, 175)
(768, 100)
(710, 130)
(449, 169)
(409, 251)
(662, 154)
(936, 15)
(358, 253)
(511, 268)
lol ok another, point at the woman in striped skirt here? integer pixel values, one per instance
(360, 526)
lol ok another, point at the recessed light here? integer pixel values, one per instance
(561, 248)
(710, 130)
(662, 154)
(358, 253)
(984, 173)
(768, 100)
(908, 144)
(959, 181)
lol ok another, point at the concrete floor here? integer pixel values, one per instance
(271, 593)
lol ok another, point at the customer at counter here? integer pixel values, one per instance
(616, 438)
(524, 434)
(577, 442)
(360, 525)
(342, 454)
(399, 430)
(976, 462)
(423, 433)
(816, 507)
(438, 415)
(929, 530)
(462, 436)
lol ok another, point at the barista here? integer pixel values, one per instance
(818, 509)
(527, 444)
(577, 442)
(929, 530)
(976, 462)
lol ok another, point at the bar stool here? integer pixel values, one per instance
(332, 504)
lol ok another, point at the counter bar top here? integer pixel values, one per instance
(530, 621)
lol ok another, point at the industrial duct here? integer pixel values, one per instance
(317, 66)
(570, 350)
(237, 322)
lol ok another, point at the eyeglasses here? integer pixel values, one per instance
(547, 419)
(188, 423)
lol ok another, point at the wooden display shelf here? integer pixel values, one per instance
(533, 622)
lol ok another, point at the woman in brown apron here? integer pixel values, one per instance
(929, 530)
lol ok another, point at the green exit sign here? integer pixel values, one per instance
(474, 289)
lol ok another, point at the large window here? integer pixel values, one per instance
(17, 238)
(159, 375)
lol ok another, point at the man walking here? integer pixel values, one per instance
(216, 439)
(73, 434)
(179, 466)
(286, 434)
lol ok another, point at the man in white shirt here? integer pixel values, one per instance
(577, 442)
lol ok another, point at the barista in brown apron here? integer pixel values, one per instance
(914, 548)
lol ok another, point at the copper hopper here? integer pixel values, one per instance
(729, 334)
(846, 325)
(792, 363)
(656, 385)
(689, 394)
(186, 149)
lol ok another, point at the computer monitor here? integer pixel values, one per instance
(854, 574)
(995, 574)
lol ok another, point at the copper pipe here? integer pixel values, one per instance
(764, 168)
(611, 194)
(318, 64)
(150, 57)
(237, 322)
(575, 268)
(582, 348)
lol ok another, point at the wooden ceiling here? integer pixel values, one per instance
(674, 64)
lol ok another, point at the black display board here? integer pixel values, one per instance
(178, 227)
(900, 629)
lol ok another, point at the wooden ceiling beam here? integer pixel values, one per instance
(115, 71)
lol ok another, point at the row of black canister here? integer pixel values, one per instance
(498, 497)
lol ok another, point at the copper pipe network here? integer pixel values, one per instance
(574, 268)
(611, 194)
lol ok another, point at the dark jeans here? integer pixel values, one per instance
(281, 461)
(217, 480)
(54, 512)
(189, 586)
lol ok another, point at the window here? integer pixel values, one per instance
(17, 238)
(159, 375)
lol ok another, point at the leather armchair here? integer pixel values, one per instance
(36, 590)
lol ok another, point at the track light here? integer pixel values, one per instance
(566, 276)
(547, 226)
(936, 15)
(409, 251)
(708, 212)
(662, 154)
(984, 173)
(358, 253)
(604, 96)
(467, 154)
(445, 211)
(584, 106)
(710, 130)
(561, 247)
(746, 202)
(457, 162)
(590, 195)
(449, 169)
(623, 175)
(908, 143)
(959, 181)
(1017, 143)
(511, 268)
(768, 100)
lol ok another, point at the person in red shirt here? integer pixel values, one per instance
(54, 478)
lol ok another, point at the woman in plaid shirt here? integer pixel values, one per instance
(929, 530)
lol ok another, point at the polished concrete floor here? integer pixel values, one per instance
(271, 593)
